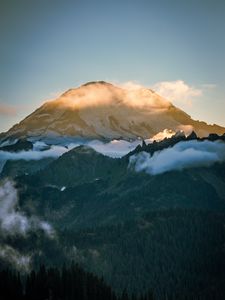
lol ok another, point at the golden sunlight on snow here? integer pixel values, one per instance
(166, 133)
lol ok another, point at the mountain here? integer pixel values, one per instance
(14, 168)
(101, 190)
(66, 283)
(100, 110)
(139, 231)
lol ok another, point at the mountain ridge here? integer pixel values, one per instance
(112, 220)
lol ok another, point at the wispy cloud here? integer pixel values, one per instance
(179, 92)
(184, 155)
(130, 95)
(131, 85)
(15, 258)
(36, 154)
(14, 222)
(114, 148)
(52, 96)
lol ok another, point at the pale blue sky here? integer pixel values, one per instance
(48, 46)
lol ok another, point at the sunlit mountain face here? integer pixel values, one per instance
(100, 110)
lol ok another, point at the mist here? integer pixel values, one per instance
(114, 148)
(54, 151)
(15, 223)
(184, 155)
(105, 94)
(15, 258)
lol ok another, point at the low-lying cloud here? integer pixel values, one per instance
(114, 148)
(15, 223)
(36, 154)
(54, 151)
(15, 258)
(184, 155)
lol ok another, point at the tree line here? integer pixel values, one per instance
(67, 283)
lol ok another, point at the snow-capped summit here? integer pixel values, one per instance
(101, 110)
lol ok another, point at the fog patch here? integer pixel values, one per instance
(115, 148)
(15, 258)
(54, 151)
(184, 155)
(15, 223)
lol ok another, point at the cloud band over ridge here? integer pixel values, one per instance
(184, 155)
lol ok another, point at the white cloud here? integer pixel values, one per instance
(177, 91)
(54, 151)
(115, 148)
(131, 85)
(13, 221)
(15, 258)
(184, 155)
(104, 95)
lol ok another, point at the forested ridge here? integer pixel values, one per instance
(173, 252)
(67, 283)
(163, 233)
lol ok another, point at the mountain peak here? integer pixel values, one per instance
(83, 149)
(101, 110)
(192, 136)
(100, 82)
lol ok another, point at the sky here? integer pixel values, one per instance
(175, 47)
